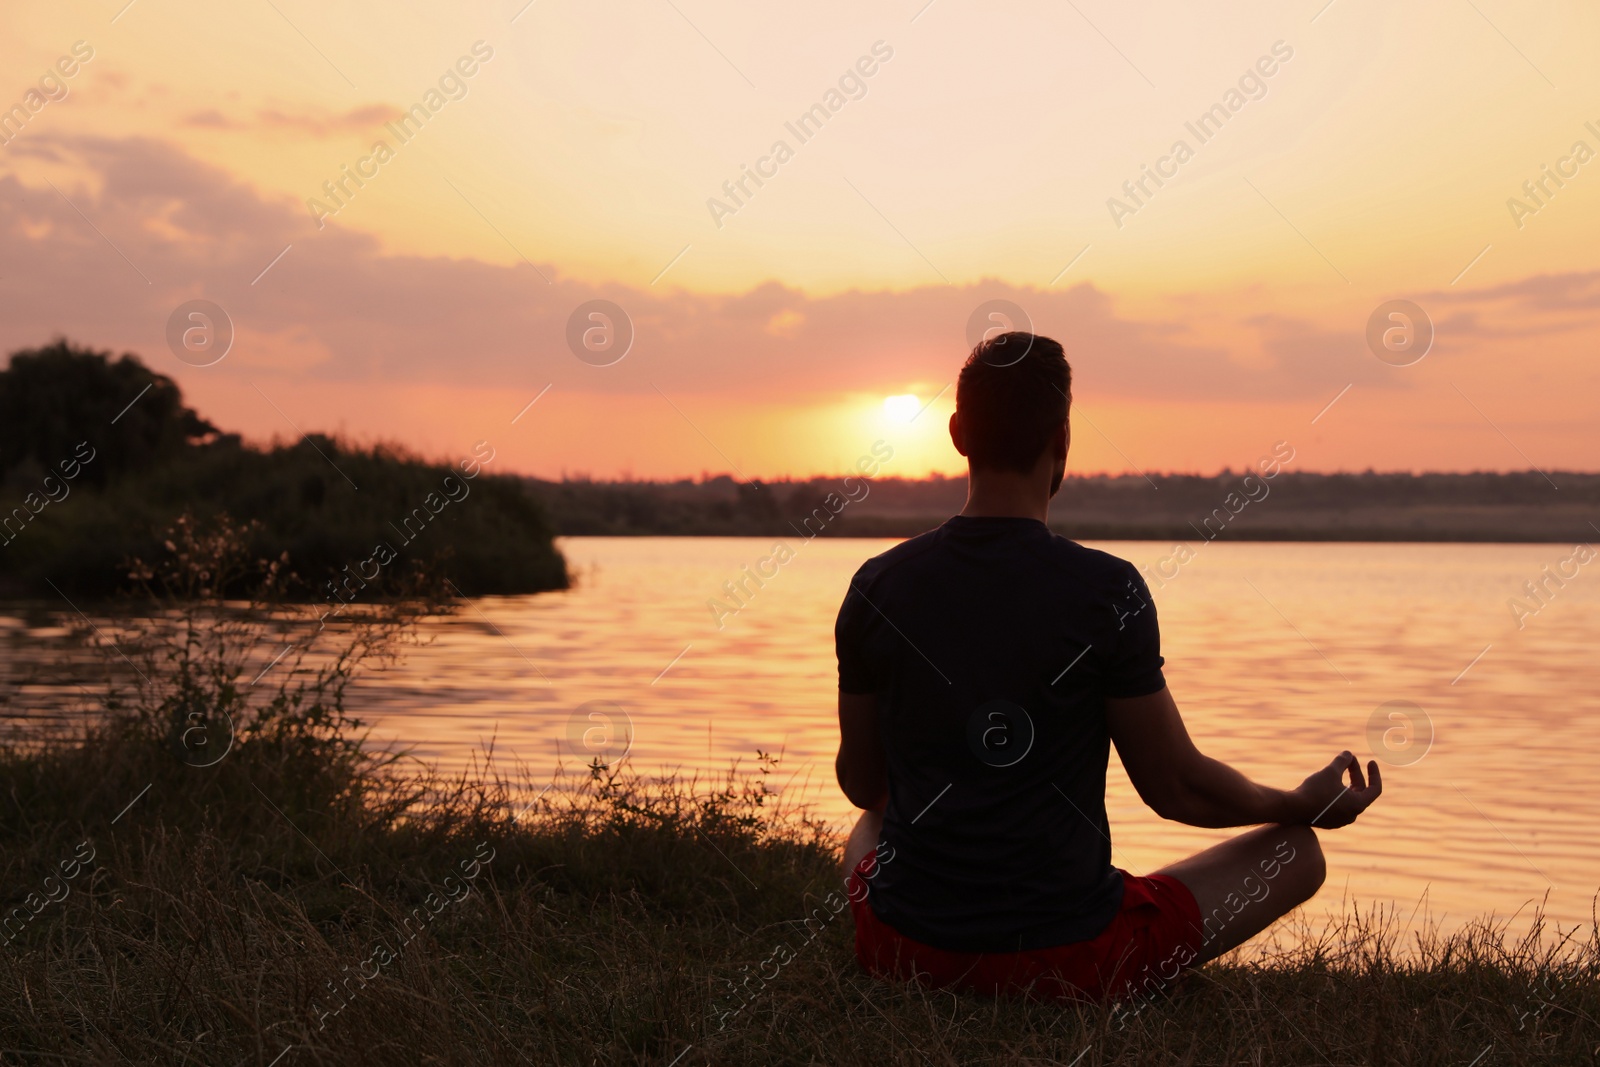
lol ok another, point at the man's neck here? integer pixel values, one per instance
(1007, 495)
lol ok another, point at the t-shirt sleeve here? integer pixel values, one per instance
(857, 672)
(1134, 667)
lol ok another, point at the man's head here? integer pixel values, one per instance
(1012, 401)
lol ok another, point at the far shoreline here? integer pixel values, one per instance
(1267, 537)
(1395, 508)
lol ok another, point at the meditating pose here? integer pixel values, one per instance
(985, 669)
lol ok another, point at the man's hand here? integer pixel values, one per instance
(1331, 803)
(1181, 784)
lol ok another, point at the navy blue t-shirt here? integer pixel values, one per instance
(992, 645)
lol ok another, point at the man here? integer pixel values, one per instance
(985, 668)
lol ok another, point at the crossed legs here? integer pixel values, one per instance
(1249, 882)
(1243, 885)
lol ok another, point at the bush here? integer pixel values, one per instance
(493, 538)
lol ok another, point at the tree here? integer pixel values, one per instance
(55, 397)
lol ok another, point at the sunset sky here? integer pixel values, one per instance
(1206, 318)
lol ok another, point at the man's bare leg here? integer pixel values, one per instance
(1246, 884)
(863, 839)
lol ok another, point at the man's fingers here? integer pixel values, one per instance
(1365, 797)
(1357, 781)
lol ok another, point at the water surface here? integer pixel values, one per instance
(1279, 655)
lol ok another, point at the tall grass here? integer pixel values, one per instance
(307, 899)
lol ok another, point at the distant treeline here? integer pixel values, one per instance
(99, 458)
(1292, 506)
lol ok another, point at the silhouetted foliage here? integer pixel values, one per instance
(55, 397)
(483, 532)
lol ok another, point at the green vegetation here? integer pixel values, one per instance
(293, 897)
(86, 490)
(54, 397)
(1293, 506)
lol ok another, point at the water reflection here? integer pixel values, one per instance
(1279, 654)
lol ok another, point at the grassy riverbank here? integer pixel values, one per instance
(304, 900)
(260, 906)
(218, 871)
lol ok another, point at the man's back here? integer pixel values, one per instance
(991, 645)
(985, 670)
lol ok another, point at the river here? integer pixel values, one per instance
(1279, 655)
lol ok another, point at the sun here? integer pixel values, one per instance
(902, 407)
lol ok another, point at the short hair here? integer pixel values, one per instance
(1014, 390)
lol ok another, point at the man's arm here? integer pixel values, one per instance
(861, 767)
(1182, 784)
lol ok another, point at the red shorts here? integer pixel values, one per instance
(1154, 936)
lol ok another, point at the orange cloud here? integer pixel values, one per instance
(309, 123)
(331, 315)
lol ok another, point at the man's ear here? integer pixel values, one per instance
(1063, 441)
(956, 435)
